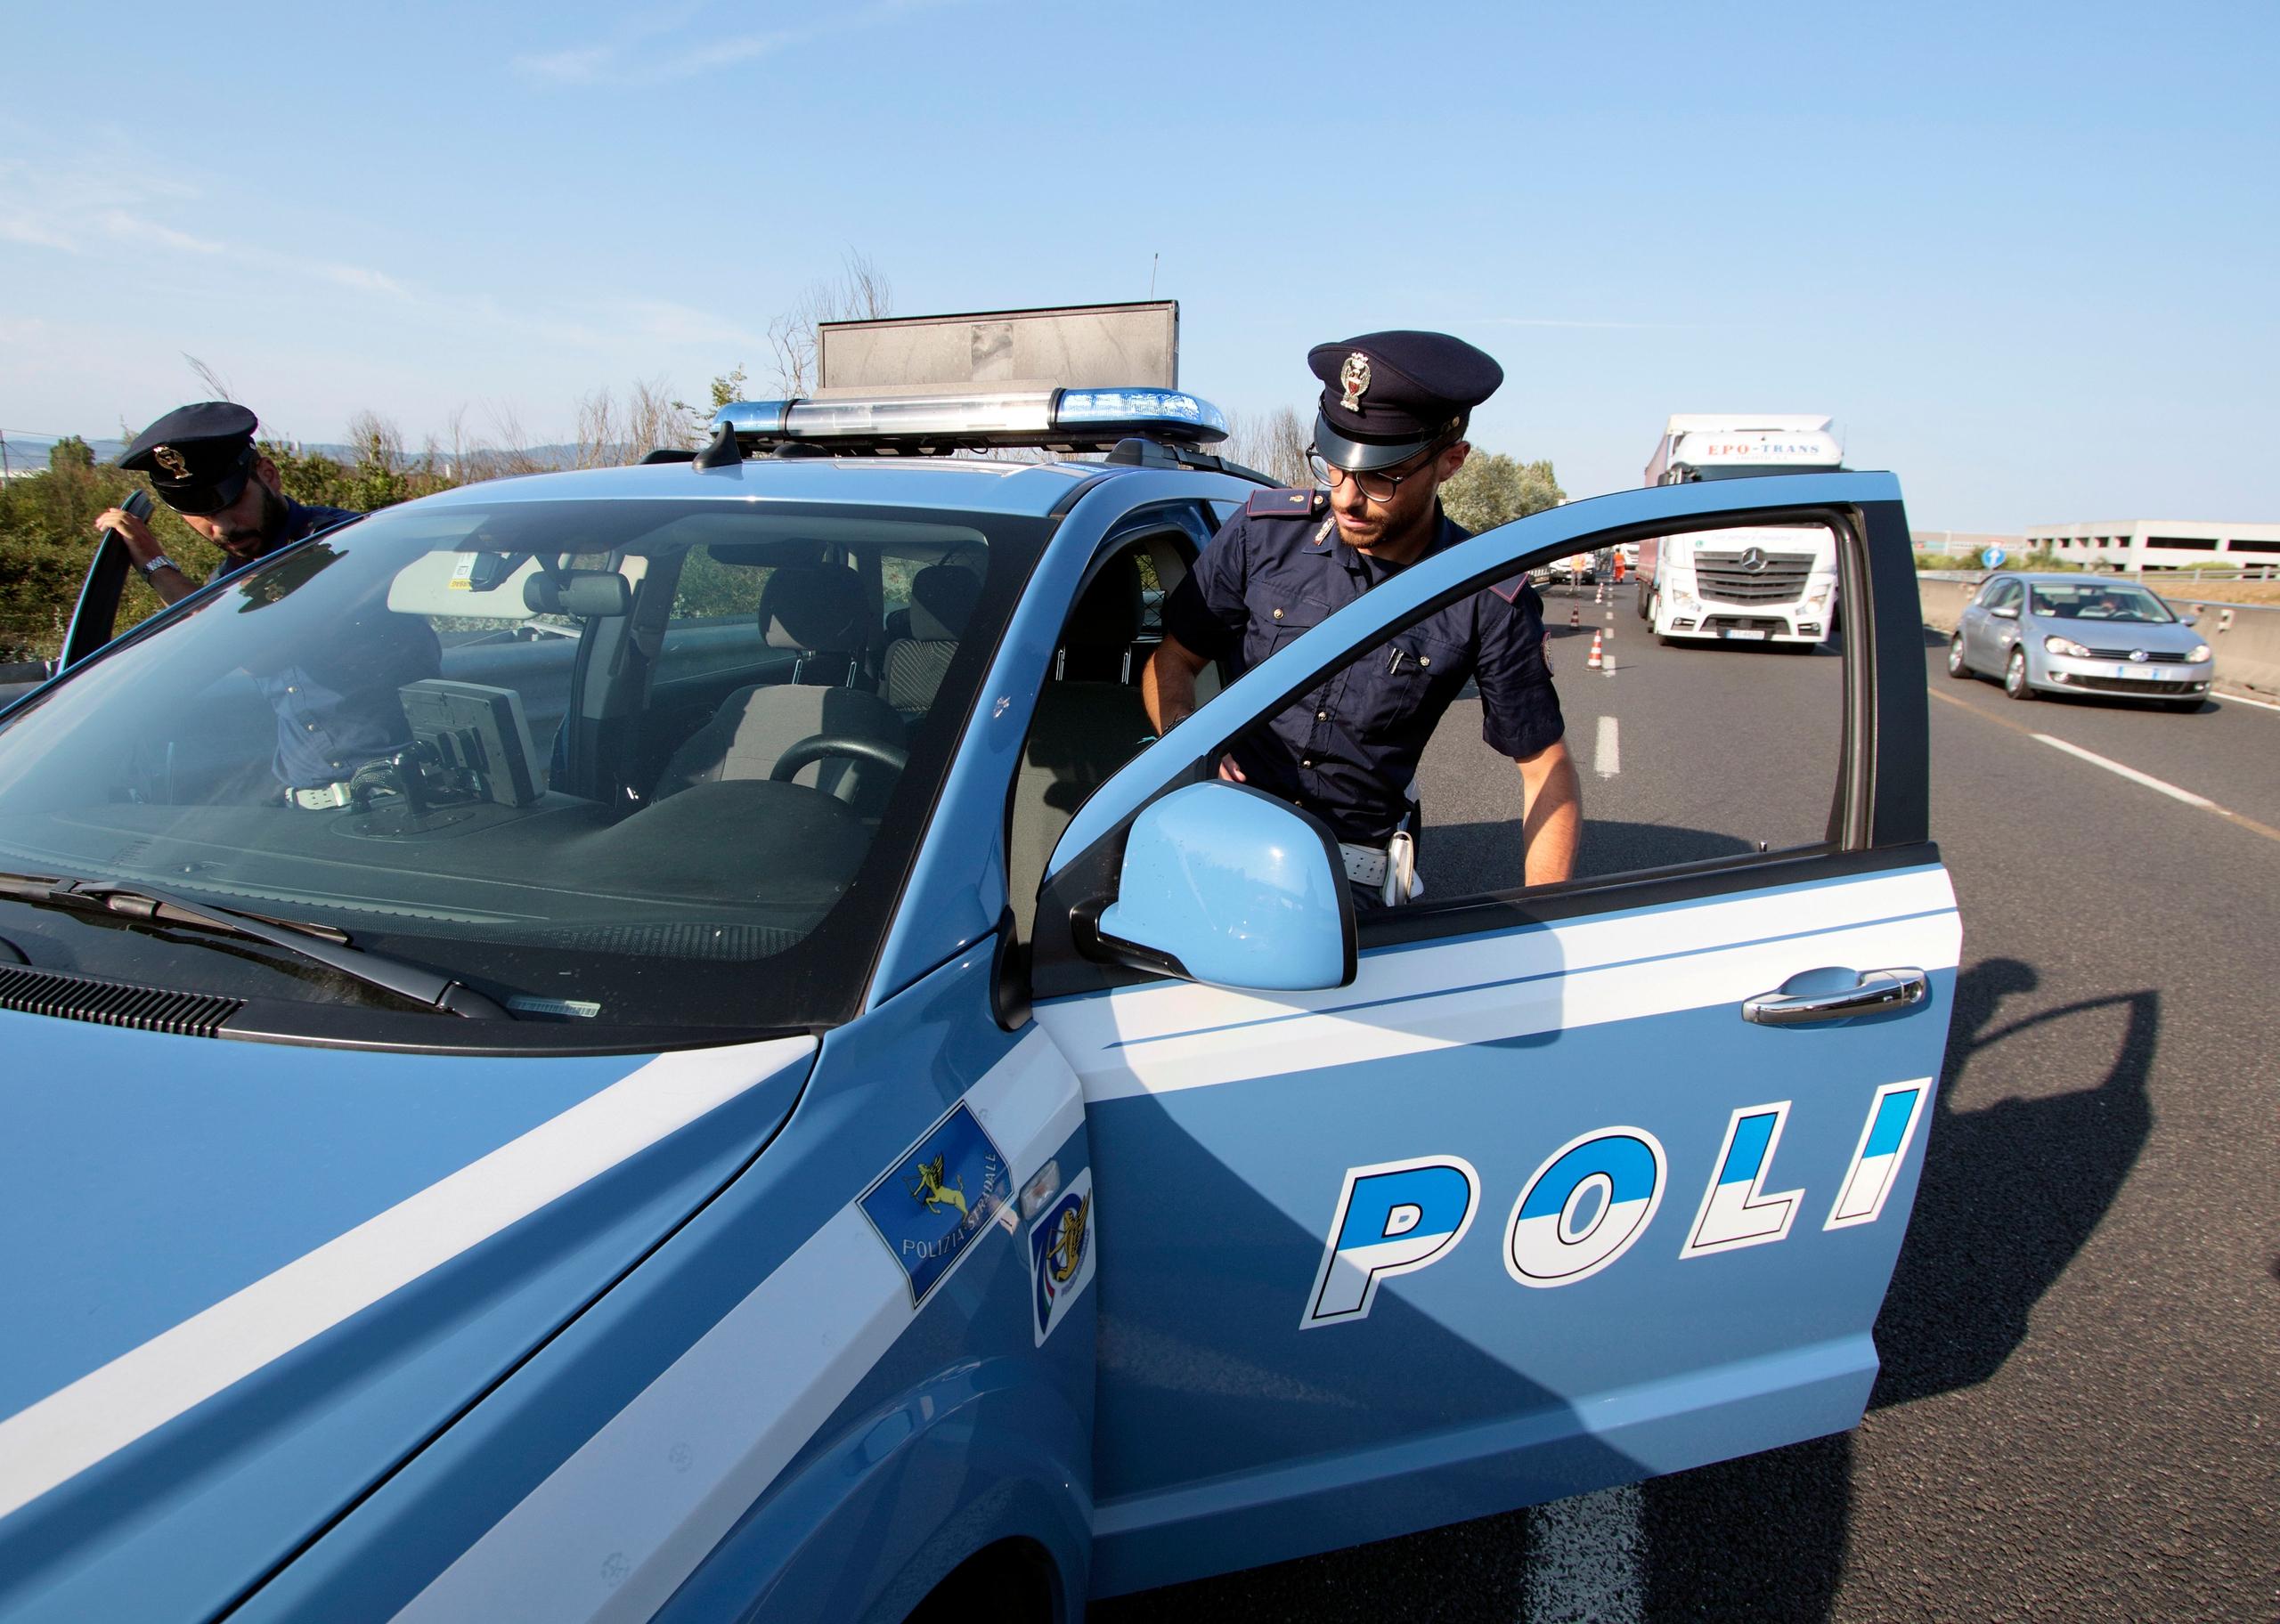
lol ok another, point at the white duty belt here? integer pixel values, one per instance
(1392, 872)
(322, 799)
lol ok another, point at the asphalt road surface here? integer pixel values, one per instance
(2078, 1413)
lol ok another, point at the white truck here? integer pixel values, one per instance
(1775, 585)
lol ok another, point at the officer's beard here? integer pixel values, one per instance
(252, 541)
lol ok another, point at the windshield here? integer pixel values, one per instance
(2096, 600)
(614, 763)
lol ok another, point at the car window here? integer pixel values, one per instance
(383, 734)
(1089, 720)
(1713, 747)
(2098, 600)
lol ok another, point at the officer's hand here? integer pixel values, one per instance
(141, 544)
(1230, 771)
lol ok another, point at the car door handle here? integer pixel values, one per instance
(1878, 990)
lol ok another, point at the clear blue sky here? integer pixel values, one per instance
(2026, 255)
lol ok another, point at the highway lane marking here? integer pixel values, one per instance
(2186, 796)
(2131, 773)
(1607, 753)
(2242, 699)
(1587, 1560)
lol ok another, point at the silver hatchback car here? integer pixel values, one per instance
(2080, 633)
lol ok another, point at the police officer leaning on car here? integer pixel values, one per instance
(1395, 407)
(337, 706)
(203, 462)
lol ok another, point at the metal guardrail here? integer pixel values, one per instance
(2161, 579)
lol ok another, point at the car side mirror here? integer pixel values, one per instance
(1226, 884)
(2005, 613)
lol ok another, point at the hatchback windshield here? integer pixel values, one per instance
(2098, 600)
(614, 763)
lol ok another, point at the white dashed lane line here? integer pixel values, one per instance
(2132, 774)
(2199, 802)
(1587, 1560)
(1607, 753)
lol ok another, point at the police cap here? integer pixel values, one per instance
(1386, 396)
(197, 456)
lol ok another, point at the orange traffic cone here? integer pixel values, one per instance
(1576, 615)
(1595, 661)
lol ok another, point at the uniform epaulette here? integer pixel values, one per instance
(1510, 590)
(1296, 504)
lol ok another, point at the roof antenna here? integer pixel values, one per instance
(721, 451)
(1153, 258)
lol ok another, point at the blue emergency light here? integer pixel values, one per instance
(919, 424)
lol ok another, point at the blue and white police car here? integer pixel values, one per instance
(760, 1090)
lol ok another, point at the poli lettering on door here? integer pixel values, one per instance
(938, 1198)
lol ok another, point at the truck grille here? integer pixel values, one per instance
(1781, 579)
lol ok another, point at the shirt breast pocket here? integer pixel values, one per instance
(1403, 684)
(1277, 616)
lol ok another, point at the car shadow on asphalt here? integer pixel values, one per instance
(2011, 1190)
(2010, 1193)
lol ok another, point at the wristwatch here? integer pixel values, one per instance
(154, 566)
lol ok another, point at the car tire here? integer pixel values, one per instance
(2015, 677)
(1957, 667)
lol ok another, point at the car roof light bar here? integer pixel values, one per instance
(1054, 419)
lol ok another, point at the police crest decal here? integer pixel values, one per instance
(938, 1199)
(1061, 1254)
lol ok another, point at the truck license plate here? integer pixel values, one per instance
(1746, 637)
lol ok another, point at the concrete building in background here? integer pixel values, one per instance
(2159, 544)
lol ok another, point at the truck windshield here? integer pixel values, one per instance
(650, 764)
(1729, 470)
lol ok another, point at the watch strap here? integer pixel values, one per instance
(152, 566)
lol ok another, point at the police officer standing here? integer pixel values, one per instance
(1394, 411)
(202, 461)
(338, 702)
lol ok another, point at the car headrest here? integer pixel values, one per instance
(584, 593)
(941, 601)
(1109, 614)
(814, 609)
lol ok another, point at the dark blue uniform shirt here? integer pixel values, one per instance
(336, 701)
(1347, 752)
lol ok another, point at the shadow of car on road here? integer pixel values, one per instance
(2010, 1193)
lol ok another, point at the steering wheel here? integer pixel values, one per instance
(818, 746)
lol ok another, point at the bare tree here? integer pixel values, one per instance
(860, 292)
(208, 376)
(378, 440)
(1276, 445)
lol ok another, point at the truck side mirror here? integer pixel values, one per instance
(1224, 884)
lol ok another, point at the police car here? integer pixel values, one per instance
(787, 1101)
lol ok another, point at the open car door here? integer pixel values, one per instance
(1516, 1194)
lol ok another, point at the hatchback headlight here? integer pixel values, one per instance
(2067, 646)
(2200, 652)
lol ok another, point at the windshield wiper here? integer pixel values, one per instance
(315, 942)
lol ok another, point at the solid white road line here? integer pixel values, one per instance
(1587, 1560)
(2132, 774)
(2242, 699)
(1607, 755)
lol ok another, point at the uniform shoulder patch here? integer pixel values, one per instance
(1298, 504)
(1510, 590)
